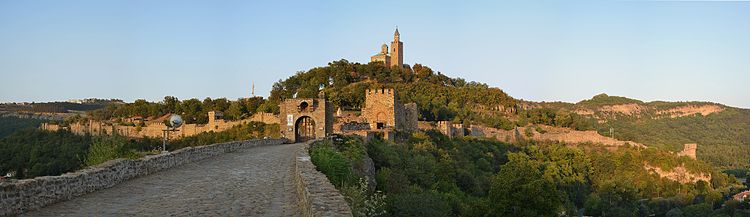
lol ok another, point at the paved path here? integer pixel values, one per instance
(250, 182)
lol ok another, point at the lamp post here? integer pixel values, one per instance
(175, 121)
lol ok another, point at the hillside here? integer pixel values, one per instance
(430, 174)
(60, 107)
(722, 132)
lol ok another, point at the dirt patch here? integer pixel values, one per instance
(691, 110)
(584, 112)
(678, 174)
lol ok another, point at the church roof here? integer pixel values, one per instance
(396, 33)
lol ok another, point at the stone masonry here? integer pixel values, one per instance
(383, 111)
(292, 111)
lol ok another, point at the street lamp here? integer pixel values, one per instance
(175, 121)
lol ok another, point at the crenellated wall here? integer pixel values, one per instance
(19, 196)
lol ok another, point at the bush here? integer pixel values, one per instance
(108, 148)
(332, 163)
(362, 203)
(418, 204)
(529, 132)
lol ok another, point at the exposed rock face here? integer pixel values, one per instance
(366, 168)
(678, 174)
(691, 110)
(626, 109)
(584, 111)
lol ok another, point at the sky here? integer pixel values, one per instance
(533, 50)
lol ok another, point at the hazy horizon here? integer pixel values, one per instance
(667, 51)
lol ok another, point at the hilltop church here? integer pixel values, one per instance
(396, 56)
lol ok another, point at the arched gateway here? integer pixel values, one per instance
(304, 119)
(304, 129)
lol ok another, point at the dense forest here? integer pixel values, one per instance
(10, 124)
(432, 175)
(32, 152)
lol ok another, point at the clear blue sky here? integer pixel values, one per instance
(551, 51)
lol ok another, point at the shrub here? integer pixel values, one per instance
(104, 149)
(332, 163)
(362, 203)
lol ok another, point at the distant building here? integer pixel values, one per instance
(396, 55)
(741, 195)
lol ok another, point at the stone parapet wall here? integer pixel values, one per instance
(19, 196)
(317, 196)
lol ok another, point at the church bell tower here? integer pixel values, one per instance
(397, 50)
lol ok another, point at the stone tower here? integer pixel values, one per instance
(397, 50)
(384, 111)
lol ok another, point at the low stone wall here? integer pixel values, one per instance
(317, 196)
(19, 196)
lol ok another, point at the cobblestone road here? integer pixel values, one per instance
(250, 182)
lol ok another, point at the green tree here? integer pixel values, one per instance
(519, 189)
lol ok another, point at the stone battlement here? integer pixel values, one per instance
(381, 92)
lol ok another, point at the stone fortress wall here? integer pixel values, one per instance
(552, 133)
(18, 196)
(154, 128)
(689, 150)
